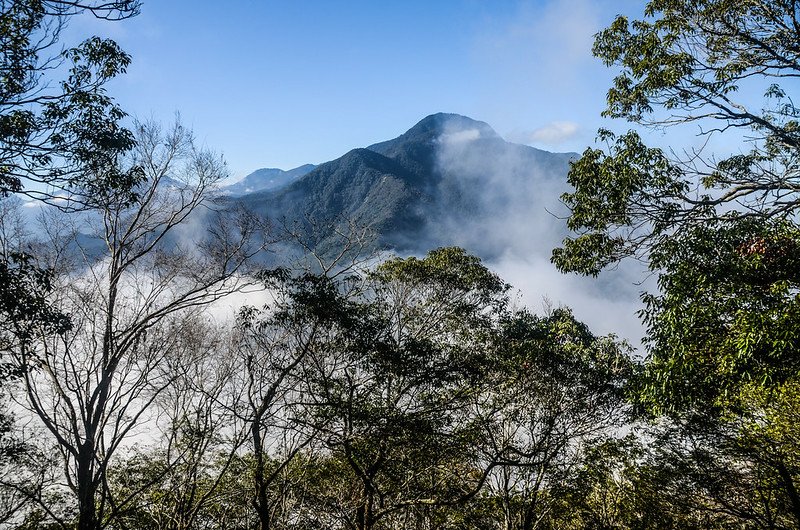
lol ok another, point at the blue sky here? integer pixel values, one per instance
(279, 84)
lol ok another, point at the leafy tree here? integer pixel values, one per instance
(396, 392)
(685, 63)
(275, 347)
(721, 233)
(558, 389)
(707, 224)
(719, 230)
(57, 135)
(60, 135)
(395, 398)
(727, 317)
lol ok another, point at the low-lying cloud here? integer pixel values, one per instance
(501, 201)
(456, 137)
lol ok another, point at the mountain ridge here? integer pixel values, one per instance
(446, 171)
(267, 178)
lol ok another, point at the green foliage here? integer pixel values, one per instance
(397, 407)
(24, 307)
(559, 388)
(622, 201)
(410, 376)
(158, 494)
(65, 134)
(728, 314)
(56, 135)
(687, 58)
(692, 57)
(721, 235)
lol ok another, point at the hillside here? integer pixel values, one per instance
(447, 180)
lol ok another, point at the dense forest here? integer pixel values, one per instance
(367, 391)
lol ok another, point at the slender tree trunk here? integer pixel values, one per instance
(260, 498)
(87, 451)
(529, 518)
(791, 490)
(364, 513)
(87, 513)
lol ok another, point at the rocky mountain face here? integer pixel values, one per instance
(449, 180)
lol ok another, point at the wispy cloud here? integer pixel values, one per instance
(552, 134)
(466, 135)
(502, 203)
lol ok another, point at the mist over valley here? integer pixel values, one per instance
(451, 180)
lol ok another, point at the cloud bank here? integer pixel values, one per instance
(501, 201)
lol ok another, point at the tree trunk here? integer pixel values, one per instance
(87, 510)
(791, 490)
(529, 518)
(364, 515)
(260, 499)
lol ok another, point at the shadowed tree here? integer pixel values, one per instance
(57, 133)
(394, 389)
(54, 133)
(559, 388)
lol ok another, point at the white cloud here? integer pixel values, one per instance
(466, 135)
(516, 219)
(552, 134)
(608, 304)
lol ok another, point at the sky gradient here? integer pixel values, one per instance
(280, 84)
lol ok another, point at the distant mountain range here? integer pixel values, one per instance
(266, 179)
(449, 180)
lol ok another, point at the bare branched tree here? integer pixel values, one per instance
(181, 479)
(138, 284)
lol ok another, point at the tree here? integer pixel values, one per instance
(720, 233)
(719, 230)
(274, 345)
(25, 301)
(56, 137)
(130, 296)
(56, 134)
(390, 386)
(684, 64)
(404, 405)
(406, 388)
(192, 476)
(559, 388)
(274, 348)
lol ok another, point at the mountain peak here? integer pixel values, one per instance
(444, 181)
(266, 179)
(416, 146)
(445, 123)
